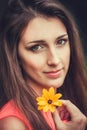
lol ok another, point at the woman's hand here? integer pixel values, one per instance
(69, 117)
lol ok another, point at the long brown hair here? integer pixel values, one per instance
(12, 83)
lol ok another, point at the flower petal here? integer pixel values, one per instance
(40, 107)
(58, 103)
(46, 108)
(58, 95)
(51, 92)
(40, 99)
(52, 108)
(45, 94)
(42, 103)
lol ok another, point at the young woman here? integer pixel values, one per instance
(39, 48)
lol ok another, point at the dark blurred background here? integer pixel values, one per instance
(78, 9)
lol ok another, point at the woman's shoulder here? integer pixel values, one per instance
(12, 123)
(10, 109)
(11, 117)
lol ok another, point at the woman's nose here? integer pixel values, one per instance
(53, 58)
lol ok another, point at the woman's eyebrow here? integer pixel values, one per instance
(59, 37)
(37, 41)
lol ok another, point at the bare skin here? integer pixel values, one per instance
(12, 123)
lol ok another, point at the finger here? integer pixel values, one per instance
(75, 113)
(58, 122)
(56, 117)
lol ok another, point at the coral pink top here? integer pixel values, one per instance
(10, 109)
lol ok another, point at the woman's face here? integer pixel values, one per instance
(44, 53)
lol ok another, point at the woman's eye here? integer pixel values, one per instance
(35, 48)
(62, 42)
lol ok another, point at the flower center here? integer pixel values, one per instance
(49, 101)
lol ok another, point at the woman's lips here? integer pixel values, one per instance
(54, 74)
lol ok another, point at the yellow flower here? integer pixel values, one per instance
(49, 100)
